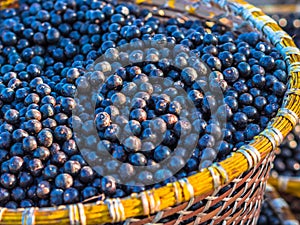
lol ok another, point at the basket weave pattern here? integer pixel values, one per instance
(244, 193)
(235, 204)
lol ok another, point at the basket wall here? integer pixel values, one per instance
(236, 203)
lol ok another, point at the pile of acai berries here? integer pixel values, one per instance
(91, 91)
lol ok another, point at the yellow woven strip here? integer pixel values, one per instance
(142, 1)
(185, 190)
(190, 9)
(292, 187)
(178, 192)
(258, 14)
(6, 3)
(171, 3)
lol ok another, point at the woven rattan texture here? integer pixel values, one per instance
(234, 203)
(238, 201)
(8, 4)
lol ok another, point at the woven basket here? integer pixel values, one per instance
(229, 192)
(279, 206)
(285, 184)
